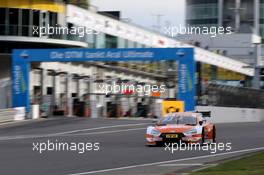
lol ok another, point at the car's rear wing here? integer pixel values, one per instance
(205, 113)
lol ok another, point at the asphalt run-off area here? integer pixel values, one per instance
(121, 148)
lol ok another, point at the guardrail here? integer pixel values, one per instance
(231, 96)
(7, 115)
(232, 114)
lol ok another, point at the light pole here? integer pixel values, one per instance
(256, 41)
(157, 27)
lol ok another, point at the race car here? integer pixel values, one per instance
(189, 127)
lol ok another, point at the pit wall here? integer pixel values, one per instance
(233, 115)
(218, 114)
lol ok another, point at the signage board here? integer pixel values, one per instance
(21, 59)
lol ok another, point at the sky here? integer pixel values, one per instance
(144, 12)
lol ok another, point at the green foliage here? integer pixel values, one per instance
(80, 3)
(251, 165)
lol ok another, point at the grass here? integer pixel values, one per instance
(250, 165)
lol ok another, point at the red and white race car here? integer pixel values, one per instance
(190, 127)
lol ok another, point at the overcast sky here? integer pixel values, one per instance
(143, 12)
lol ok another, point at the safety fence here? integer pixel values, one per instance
(5, 94)
(231, 96)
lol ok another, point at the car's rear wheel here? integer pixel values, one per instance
(214, 134)
(202, 138)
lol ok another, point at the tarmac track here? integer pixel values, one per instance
(121, 145)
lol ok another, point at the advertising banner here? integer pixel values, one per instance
(23, 57)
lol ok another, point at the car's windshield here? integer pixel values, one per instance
(186, 120)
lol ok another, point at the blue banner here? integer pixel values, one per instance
(20, 85)
(186, 83)
(23, 57)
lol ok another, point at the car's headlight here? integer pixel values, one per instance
(155, 132)
(192, 131)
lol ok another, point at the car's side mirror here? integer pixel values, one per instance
(155, 122)
(201, 123)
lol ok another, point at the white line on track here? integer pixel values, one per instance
(187, 164)
(65, 135)
(106, 132)
(181, 164)
(169, 161)
(103, 127)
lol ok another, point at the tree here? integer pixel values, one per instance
(80, 3)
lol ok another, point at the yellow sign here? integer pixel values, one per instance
(47, 5)
(172, 106)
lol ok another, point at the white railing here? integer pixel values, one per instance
(7, 115)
